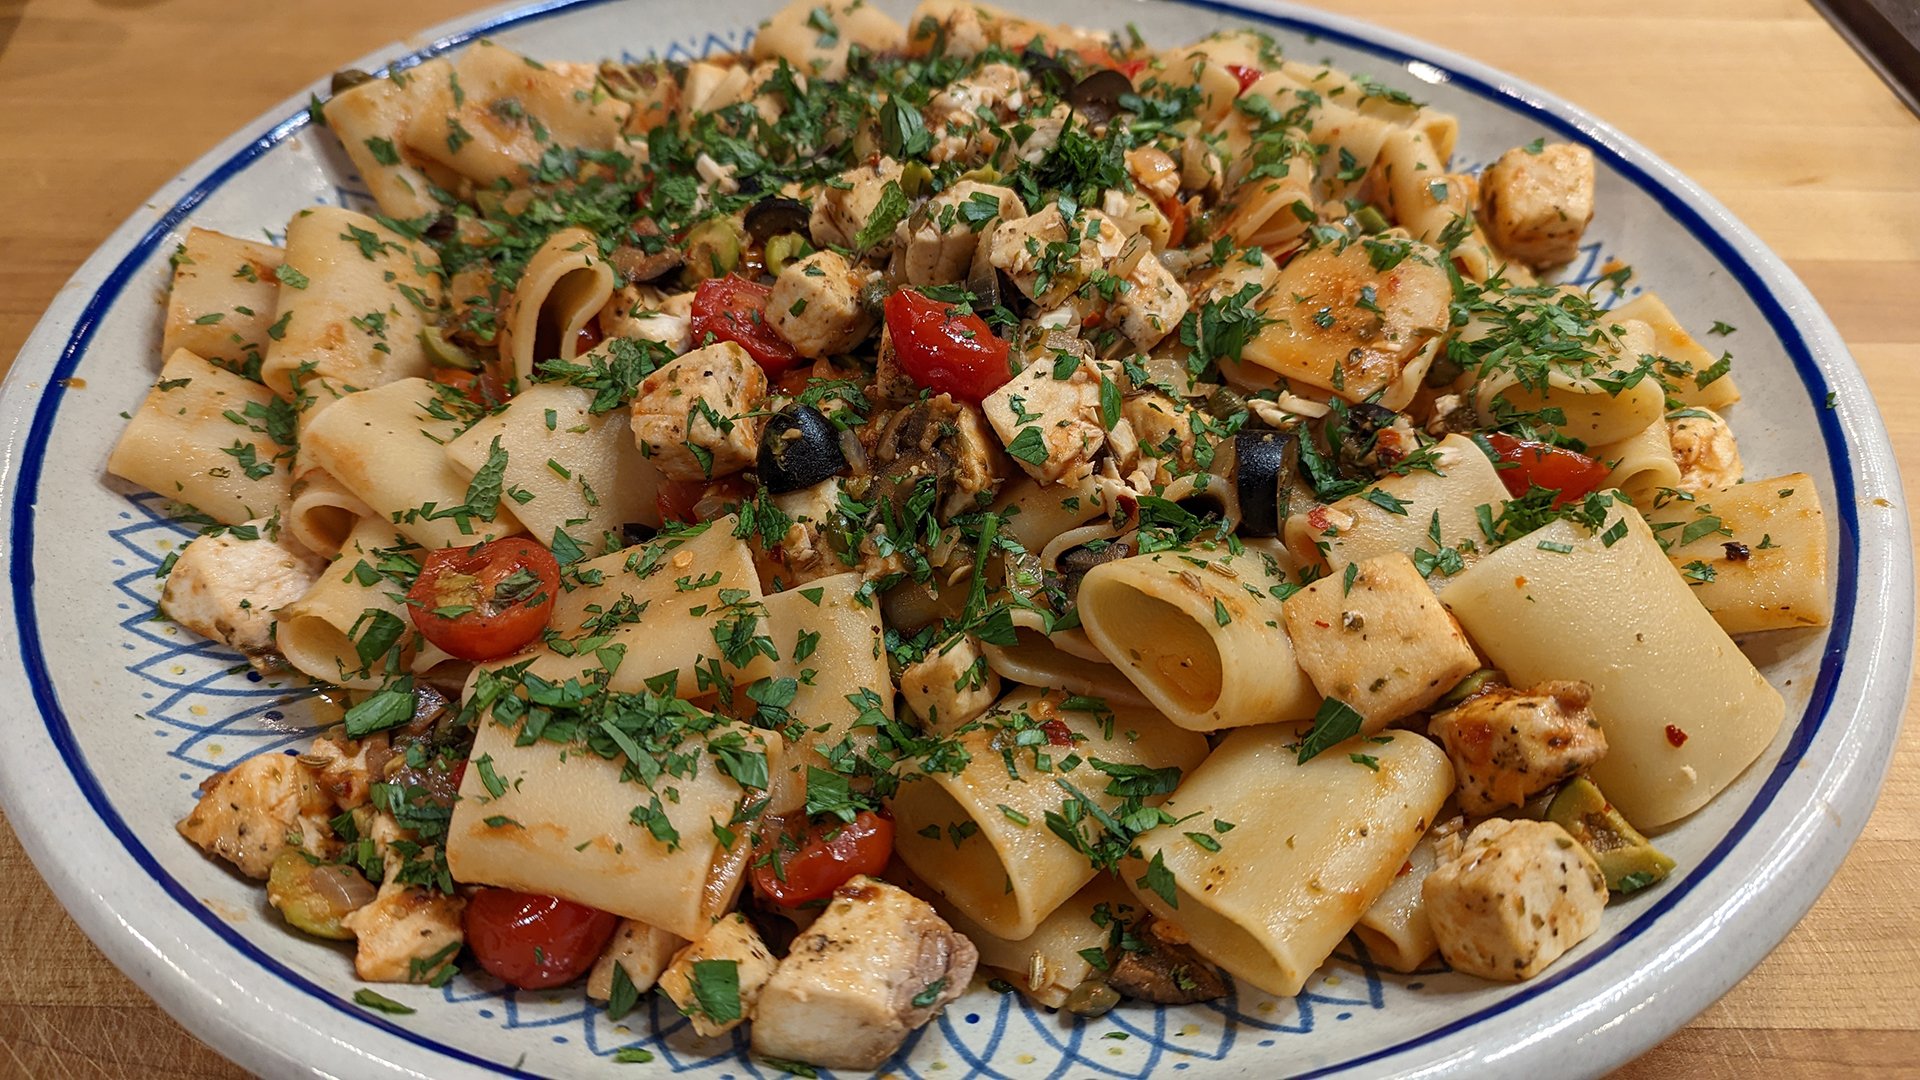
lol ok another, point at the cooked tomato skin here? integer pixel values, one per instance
(944, 351)
(1538, 464)
(1247, 76)
(734, 309)
(829, 854)
(535, 942)
(471, 576)
(481, 387)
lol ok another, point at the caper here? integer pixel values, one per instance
(1226, 403)
(1092, 998)
(348, 78)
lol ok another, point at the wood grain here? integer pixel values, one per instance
(1759, 100)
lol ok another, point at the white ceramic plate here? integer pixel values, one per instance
(128, 715)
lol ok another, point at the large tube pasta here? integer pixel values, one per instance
(316, 633)
(1313, 847)
(200, 438)
(371, 120)
(684, 611)
(1361, 526)
(830, 644)
(1755, 554)
(1047, 964)
(1641, 464)
(1033, 513)
(1691, 362)
(1395, 929)
(559, 821)
(1197, 630)
(497, 112)
(568, 469)
(1321, 334)
(388, 447)
(222, 300)
(793, 34)
(1370, 99)
(354, 296)
(559, 294)
(1600, 399)
(1206, 65)
(1034, 659)
(1414, 183)
(322, 513)
(979, 836)
(1684, 711)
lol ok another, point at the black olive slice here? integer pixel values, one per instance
(1098, 95)
(1048, 71)
(1266, 467)
(774, 215)
(799, 449)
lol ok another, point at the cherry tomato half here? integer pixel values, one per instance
(734, 309)
(944, 351)
(1247, 76)
(1538, 464)
(487, 600)
(805, 862)
(535, 942)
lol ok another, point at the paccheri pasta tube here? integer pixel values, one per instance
(962, 491)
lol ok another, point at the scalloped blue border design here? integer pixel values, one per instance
(21, 571)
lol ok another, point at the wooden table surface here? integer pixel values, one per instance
(1758, 100)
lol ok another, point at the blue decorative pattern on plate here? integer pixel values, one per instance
(112, 752)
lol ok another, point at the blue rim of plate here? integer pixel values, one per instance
(1779, 321)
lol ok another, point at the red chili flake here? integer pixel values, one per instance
(1676, 736)
(1058, 733)
(1317, 517)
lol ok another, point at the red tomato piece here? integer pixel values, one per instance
(481, 387)
(1132, 68)
(676, 498)
(485, 601)
(1538, 464)
(943, 350)
(589, 336)
(1058, 733)
(535, 942)
(807, 861)
(734, 309)
(1247, 76)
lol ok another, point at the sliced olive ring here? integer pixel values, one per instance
(800, 448)
(1265, 471)
(1098, 95)
(774, 215)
